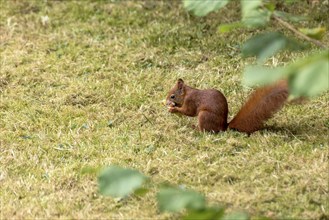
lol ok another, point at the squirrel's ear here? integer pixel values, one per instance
(180, 83)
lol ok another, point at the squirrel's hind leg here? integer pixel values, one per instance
(210, 122)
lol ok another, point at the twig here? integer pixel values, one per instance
(298, 33)
(147, 119)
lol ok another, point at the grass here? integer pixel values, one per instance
(85, 89)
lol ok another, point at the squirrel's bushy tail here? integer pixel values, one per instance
(261, 105)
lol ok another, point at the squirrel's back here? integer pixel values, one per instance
(213, 100)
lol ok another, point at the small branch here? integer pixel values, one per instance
(147, 119)
(298, 33)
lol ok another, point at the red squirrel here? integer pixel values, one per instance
(211, 107)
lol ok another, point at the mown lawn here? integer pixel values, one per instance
(83, 88)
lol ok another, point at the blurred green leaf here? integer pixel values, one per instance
(259, 75)
(270, 6)
(236, 216)
(141, 191)
(315, 33)
(306, 77)
(266, 45)
(290, 17)
(119, 182)
(210, 213)
(174, 200)
(253, 15)
(223, 28)
(311, 79)
(203, 7)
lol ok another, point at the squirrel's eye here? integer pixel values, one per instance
(172, 96)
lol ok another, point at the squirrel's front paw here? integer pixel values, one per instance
(172, 109)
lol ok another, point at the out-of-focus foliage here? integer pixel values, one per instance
(253, 14)
(307, 76)
(316, 33)
(120, 182)
(266, 45)
(202, 8)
